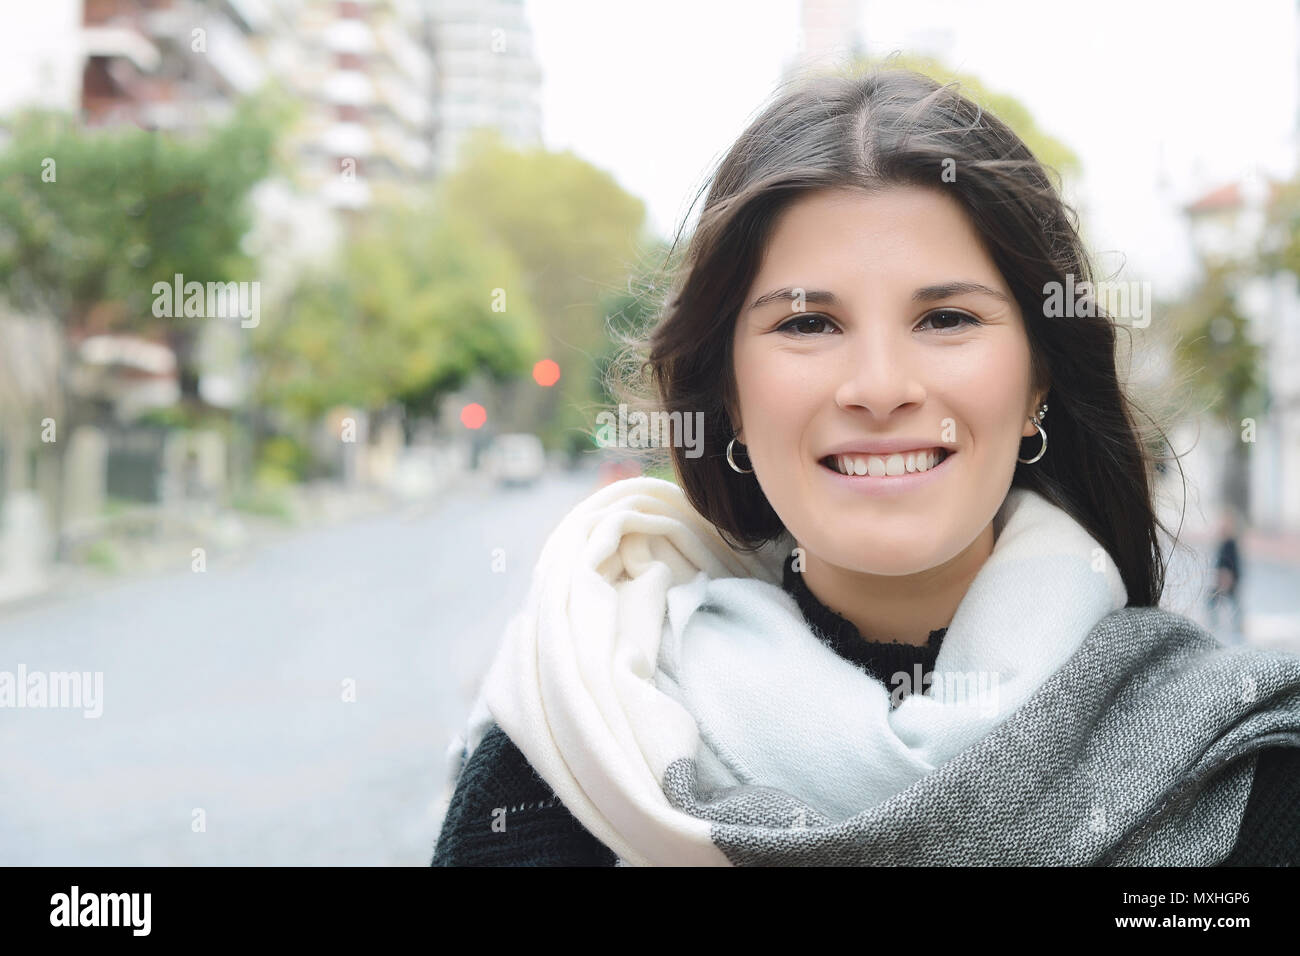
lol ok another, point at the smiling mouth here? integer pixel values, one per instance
(886, 466)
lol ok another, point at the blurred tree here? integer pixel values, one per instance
(576, 234)
(90, 219)
(1221, 364)
(1280, 243)
(409, 311)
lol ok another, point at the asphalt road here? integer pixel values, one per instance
(224, 735)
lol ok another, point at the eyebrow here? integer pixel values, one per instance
(928, 293)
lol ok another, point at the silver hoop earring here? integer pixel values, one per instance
(732, 462)
(1036, 422)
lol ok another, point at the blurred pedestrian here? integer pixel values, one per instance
(1227, 577)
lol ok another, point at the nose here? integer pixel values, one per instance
(881, 373)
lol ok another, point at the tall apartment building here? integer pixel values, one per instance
(365, 70)
(361, 69)
(487, 74)
(165, 64)
(389, 88)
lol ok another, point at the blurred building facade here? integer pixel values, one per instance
(1228, 224)
(488, 74)
(361, 71)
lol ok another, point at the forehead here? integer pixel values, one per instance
(901, 231)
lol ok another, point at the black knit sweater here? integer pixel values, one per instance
(503, 814)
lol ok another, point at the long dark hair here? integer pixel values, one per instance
(872, 130)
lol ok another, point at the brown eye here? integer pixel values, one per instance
(805, 324)
(950, 320)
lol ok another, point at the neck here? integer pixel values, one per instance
(905, 607)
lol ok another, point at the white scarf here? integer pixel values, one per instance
(650, 657)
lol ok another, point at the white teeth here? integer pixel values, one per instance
(879, 466)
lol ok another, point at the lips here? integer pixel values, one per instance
(896, 464)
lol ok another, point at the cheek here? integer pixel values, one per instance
(992, 391)
(777, 402)
(772, 399)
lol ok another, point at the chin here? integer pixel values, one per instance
(900, 568)
(900, 561)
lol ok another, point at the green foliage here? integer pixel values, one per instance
(184, 417)
(266, 500)
(576, 234)
(101, 554)
(282, 460)
(1281, 242)
(571, 227)
(126, 208)
(407, 313)
(168, 416)
(663, 471)
(1222, 365)
(1214, 349)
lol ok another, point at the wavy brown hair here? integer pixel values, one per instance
(872, 131)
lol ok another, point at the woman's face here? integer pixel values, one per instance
(885, 333)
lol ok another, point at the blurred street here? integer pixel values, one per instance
(223, 691)
(1270, 599)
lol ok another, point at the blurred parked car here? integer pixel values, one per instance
(516, 459)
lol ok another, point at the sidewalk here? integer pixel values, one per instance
(221, 531)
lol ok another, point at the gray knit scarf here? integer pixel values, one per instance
(1139, 752)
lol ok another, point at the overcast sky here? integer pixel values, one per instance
(1161, 100)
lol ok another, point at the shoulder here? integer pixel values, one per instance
(503, 814)
(1270, 828)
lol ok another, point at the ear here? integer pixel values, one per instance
(1039, 396)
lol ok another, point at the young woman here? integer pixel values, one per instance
(882, 620)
